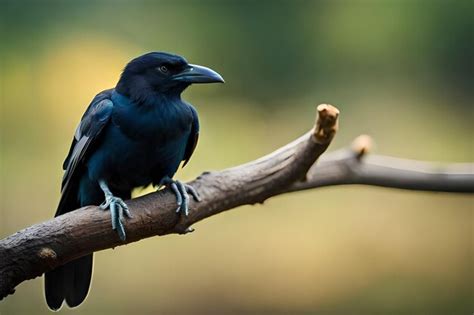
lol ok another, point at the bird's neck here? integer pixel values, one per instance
(146, 100)
(140, 93)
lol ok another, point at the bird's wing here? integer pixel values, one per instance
(87, 134)
(193, 137)
(72, 280)
(83, 124)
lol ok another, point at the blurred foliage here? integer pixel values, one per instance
(401, 71)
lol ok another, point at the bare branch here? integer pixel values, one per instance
(42, 247)
(356, 166)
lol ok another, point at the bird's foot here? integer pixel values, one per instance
(182, 192)
(118, 209)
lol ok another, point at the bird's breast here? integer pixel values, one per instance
(145, 145)
(154, 124)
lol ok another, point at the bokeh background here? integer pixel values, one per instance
(401, 71)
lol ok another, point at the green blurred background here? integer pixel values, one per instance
(400, 71)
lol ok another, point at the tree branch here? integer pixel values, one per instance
(354, 166)
(39, 248)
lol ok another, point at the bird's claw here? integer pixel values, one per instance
(118, 209)
(182, 192)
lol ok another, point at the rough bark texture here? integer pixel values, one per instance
(31, 252)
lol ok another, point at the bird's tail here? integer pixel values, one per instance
(70, 281)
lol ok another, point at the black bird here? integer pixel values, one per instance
(131, 136)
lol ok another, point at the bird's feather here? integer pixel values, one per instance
(92, 123)
(193, 137)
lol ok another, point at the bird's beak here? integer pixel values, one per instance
(198, 74)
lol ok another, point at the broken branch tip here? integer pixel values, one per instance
(362, 145)
(326, 123)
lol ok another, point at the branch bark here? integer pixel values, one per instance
(39, 248)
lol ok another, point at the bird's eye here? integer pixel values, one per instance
(163, 69)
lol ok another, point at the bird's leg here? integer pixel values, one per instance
(118, 208)
(182, 192)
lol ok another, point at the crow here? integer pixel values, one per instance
(133, 135)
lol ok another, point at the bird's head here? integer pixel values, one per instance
(163, 73)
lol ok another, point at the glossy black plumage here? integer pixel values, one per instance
(133, 135)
